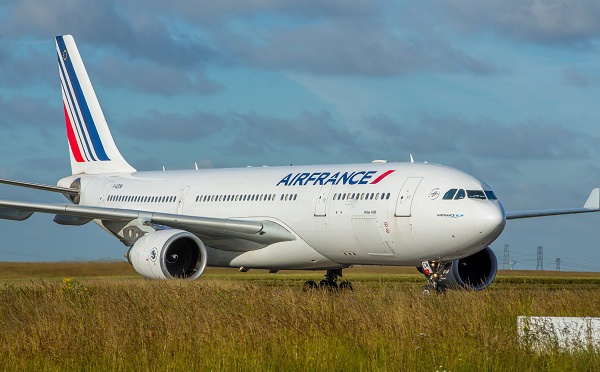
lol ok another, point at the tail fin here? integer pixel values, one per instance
(91, 145)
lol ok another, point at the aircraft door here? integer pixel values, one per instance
(105, 192)
(321, 202)
(182, 200)
(405, 198)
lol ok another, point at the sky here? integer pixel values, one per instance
(505, 90)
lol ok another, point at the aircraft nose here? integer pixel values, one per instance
(489, 219)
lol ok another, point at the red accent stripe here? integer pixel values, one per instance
(382, 176)
(72, 140)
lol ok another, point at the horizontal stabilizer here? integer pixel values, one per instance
(63, 190)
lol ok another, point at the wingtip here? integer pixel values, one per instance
(593, 201)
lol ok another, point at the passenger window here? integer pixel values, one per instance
(449, 195)
(460, 194)
(476, 194)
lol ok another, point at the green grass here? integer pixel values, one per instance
(258, 321)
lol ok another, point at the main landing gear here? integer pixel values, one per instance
(329, 283)
(434, 271)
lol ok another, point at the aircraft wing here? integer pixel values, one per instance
(591, 205)
(222, 233)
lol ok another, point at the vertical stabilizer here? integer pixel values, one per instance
(91, 144)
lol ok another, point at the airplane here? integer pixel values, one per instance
(322, 217)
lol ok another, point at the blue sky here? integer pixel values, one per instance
(503, 89)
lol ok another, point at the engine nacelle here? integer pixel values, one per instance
(168, 254)
(474, 272)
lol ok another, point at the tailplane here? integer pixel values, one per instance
(92, 148)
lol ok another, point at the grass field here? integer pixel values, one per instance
(108, 318)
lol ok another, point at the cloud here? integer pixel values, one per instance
(559, 22)
(151, 78)
(322, 37)
(24, 68)
(244, 134)
(355, 47)
(174, 127)
(20, 111)
(129, 28)
(222, 11)
(580, 78)
(483, 137)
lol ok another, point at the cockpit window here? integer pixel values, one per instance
(490, 194)
(460, 194)
(449, 194)
(476, 194)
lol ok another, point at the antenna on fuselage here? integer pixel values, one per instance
(196, 165)
(411, 159)
(164, 168)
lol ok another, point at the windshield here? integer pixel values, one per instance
(475, 194)
(457, 194)
(490, 195)
(449, 194)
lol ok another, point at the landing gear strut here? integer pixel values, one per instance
(434, 271)
(330, 282)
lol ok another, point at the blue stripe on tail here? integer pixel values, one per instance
(75, 114)
(88, 121)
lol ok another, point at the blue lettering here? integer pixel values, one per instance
(352, 180)
(293, 179)
(285, 180)
(322, 178)
(312, 178)
(344, 179)
(333, 179)
(300, 178)
(366, 177)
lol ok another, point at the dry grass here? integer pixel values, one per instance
(231, 321)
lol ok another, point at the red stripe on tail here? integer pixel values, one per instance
(72, 140)
(382, 176)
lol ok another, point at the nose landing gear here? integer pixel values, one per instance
(435, 272)
(329, 283)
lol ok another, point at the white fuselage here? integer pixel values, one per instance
(341, 215)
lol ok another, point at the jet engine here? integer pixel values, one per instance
(168, 254)
(476, 271)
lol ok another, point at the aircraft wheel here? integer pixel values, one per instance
(346, 285)
(309, 285)
(332, 286)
